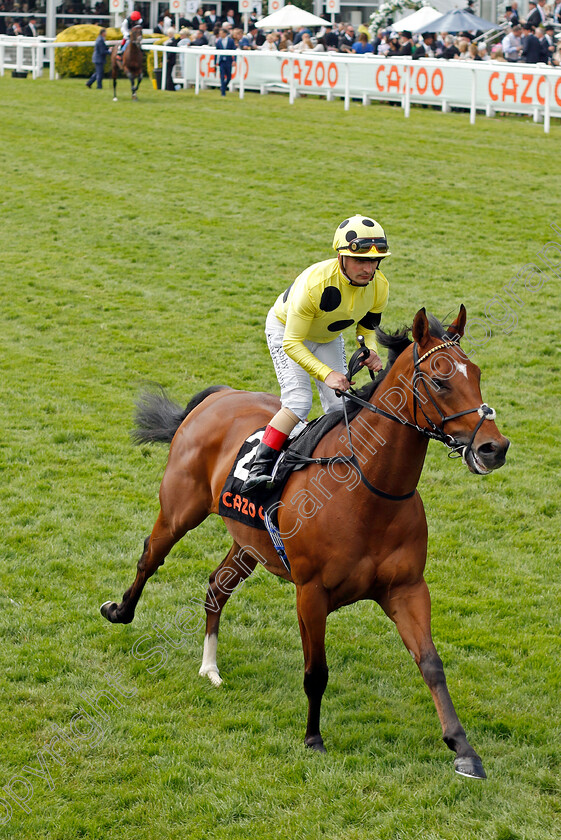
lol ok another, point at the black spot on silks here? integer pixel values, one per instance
(337, 326)
(286, 294)
(352, 234)
(370, 320)
(368, 222)
(330, 299)
(344, 224)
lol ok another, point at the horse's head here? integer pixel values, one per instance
(438, 387)
(447, 394)
(136, 35)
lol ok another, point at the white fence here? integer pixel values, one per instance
(484, 86)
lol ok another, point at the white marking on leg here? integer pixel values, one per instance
(209, 667)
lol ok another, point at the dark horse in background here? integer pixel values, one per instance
(130, 62)
(370, 543)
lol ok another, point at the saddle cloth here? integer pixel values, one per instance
(251, 508)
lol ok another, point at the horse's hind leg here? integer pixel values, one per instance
(156, 547)
(114, 88)
(234, 569)
(409, 608)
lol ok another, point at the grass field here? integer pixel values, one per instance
(146, 242)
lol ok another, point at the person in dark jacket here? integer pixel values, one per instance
(100, 53)
(531, 47)
(225, 42)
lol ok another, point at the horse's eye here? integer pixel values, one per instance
(439, 383)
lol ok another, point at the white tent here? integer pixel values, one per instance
(422, 17)
(290, 17)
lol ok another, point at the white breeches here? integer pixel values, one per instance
(295, 384)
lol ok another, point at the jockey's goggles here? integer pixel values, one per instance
(366, 246)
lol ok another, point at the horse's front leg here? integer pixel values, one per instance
(409, 607)
(311, 602)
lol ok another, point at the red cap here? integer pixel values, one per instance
(136, 16)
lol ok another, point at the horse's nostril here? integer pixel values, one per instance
(487, 448)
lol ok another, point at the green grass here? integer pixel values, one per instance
(147, 241)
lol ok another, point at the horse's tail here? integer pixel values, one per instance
(157, 417)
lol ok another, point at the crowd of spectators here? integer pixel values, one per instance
(532, 40)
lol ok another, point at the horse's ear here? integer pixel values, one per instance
(458, 326)
(420, 329)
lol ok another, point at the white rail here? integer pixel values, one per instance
(486, 86)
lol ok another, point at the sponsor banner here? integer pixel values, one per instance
(495, 85)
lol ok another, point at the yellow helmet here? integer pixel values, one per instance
(361, 236)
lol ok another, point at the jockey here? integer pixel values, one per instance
(304, 326)
(134, 19)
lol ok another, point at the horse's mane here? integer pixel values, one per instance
(395, 343)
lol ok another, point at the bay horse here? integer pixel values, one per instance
(342, 546)
(130, 62)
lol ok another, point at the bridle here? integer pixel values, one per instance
(437, 432)
(433, 432)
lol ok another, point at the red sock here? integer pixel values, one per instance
(273, 438)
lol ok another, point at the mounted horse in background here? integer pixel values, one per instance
(370, 543)
(130, 62)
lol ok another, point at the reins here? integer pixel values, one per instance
(433, 432)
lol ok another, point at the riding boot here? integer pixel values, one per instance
(261, 468)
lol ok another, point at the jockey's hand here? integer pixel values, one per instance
(373, 362)
(338, 381)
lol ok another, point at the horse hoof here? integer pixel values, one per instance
(212, 674)
(315, 743)
(108, 611)
(470, 767)
(115, 99)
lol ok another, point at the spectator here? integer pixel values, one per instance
(100, 53)
(230, 18)
(531, 48)
(298, 37)
(258, 36)
(167, 21)
(244, 42)
(321, 45)
(557, 13)
(536, 13)
(548, 44)
(473, 53)
(450, 49)
(512, 44)
(347, 40)
(463, 53)
(405, 44)
(14, 29)
(395, 46)
(200, 40)
(362, 46)
(377, 40)
(184, 37)
(497, 53)
(198, 19)
(483, 53)
(285, 41)
(304, 44)
(30, 30)
(211, 20)
(515, 17)
(172, 41)
(331, 38)
(225, 62)
(270, 43)
(427, 47)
